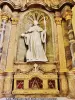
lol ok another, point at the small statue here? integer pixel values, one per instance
(35, 39)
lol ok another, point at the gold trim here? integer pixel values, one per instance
(5, 16)
(14, 21)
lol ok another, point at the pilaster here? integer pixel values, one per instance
(11, 49)
(62, 59)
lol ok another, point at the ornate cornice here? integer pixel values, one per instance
(50, 7)
(10, 4)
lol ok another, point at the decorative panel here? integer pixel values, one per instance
(20, 84)
(51, 84)
(35, 83)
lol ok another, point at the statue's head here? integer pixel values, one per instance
(35, 22)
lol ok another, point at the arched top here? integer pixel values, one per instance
(40, 3)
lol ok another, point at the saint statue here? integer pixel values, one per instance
(35, 39)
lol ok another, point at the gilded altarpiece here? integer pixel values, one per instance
(37, 53)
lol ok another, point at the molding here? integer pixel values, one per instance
(52, 7)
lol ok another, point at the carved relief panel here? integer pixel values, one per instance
(35, 83)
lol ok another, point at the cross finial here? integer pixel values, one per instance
(36, 67)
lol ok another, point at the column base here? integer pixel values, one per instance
(73, 69)
(71, 82)
(8, 95)
(63, 70)
(9, 70)
(63, 84)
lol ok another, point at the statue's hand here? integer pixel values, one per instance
(45, 30)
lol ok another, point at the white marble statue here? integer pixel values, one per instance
(35, 38)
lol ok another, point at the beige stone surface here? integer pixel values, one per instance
(45, 72)
(8, 84)
(71, 82)
(73, 18)
(11, 49)
(1, 85)
(63, 84)
(62, 58)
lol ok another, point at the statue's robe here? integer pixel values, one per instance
(35, 38)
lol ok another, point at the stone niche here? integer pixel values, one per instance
(25, 22)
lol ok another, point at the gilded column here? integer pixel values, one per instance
(67, 15)
(11, 49)
(62, 59)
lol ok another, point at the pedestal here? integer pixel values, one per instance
(8, 85)
(1, 85)
(71, 82)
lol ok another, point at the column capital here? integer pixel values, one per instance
(66, 13)
(58, 18)
(14, 20)
(5, 16)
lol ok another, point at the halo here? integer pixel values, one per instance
(36, 17)
(35, 21)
